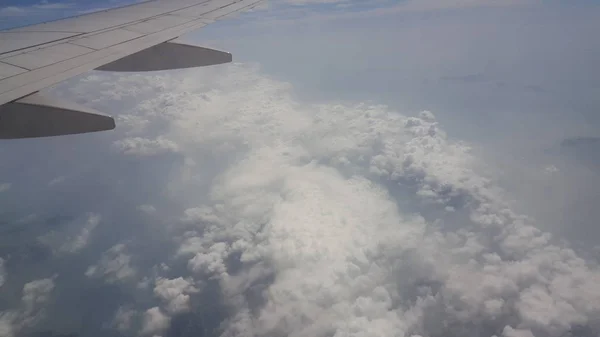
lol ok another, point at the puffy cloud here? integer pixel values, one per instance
(114, 265)
(320, 199)
(154, 322)
(145, 147)
(7, 322)
(123, 319)
(148, 209)
(331, 219)
(72, 236)
(510, 332)
(175, 293)
(36, 293)
(77, 243)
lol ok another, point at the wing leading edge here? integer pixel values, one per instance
(140, 37)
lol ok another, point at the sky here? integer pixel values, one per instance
(382, 168)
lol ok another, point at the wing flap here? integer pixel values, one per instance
(169, 55)
(39, 116)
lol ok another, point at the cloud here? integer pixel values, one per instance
(12, 10)
(114, 265)
(308, 219)
(175, 293)
(77, 243)
(123, 319)
(154, 322)
(72, 236)
(4, 187)
(148, 209)
(36, 293)
(145, 147)
(337, 215)
(7, 320)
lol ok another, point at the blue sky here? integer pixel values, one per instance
(363, 168)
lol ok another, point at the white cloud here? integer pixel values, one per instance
(75, 244)
(71, 236)
(349, 219)
(154, 322)
(11, 11)
(36, 293)
(56, 181)
(123, 319)
(314, 2)
(5, 187)
(510, 332)
(145, 147)
(148, 209)
(114, 265)
(7, 323)
(175, 293)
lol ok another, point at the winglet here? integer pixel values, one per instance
(169, 55)
(39, 116)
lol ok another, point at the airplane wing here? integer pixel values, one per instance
(139, 37)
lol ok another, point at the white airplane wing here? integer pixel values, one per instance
(139, 37)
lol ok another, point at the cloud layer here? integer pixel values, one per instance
(275, 217)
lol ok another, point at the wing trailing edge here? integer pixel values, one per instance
(39, 116)
(167, 56)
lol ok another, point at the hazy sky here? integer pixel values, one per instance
(377, 168)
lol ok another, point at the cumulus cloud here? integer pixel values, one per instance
(36, 293)
(77, 243)
(148, 209)
(114, 265)
(72, 236)
(145, 147)
(338, 215)
(7, 321)
(154, 322)
(175, 293)
(328, 219)
(124, 319)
